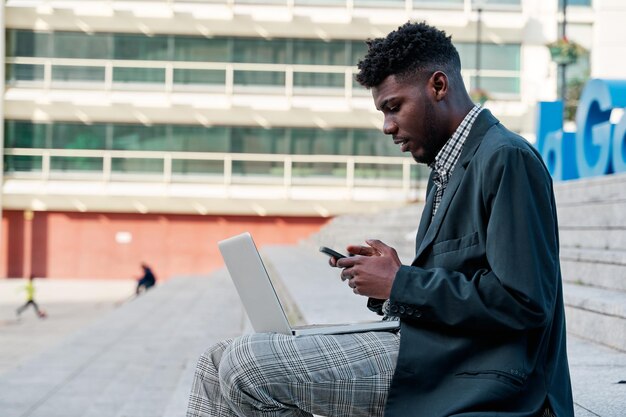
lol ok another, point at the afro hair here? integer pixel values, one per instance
(413, 47)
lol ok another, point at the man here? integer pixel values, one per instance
(29, 288)
(481, 307)
(146, 281)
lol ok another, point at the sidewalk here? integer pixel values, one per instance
(133, 360)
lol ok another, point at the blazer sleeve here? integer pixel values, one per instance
(514, 285)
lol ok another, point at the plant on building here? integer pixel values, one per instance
(479, 95)
(564, 52)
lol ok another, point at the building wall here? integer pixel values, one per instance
(111, 245)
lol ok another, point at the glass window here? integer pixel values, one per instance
(260, 51)
(139, 75)
(21, 163)
(358, 51)
(67, 164)
(320, 2)
(19, 134)
(199, 139)
(200, 49)
(378, 3)
(506, 85)
(492, 56)
(269, 78)
(137, 165)
(81, 45)
(313, 52)
(77, 73)
(318, 80)
(320, 142)
(28, 43)
(318, 169)
(438, 3)
(478, 3)
(377, 171)
(197, 167)
(78, 136)
(24, 72)
(374, 143)
(140, 137)
(259, 140)
(199, 77)
(258, 168)
(140, 47)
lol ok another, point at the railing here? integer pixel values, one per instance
(40, 73)
(218, 168)
(408, 5)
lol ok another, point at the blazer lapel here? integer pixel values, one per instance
(483, 122)
(426, 214)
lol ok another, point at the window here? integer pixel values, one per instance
(198, 139)
(80, 45)
(75, 73)
(258, 140)
(140, 47)
(311, 52)
(260, 51)
(140, 137)
(373, 142)
(24, 72)
(200, 49)
(78, 136)
(19, 134)
(27, 43)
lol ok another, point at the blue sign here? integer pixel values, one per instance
(598, 147)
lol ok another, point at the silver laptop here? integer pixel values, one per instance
(259, 297)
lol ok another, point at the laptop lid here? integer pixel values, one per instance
(253, 284)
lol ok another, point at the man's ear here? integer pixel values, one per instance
(439, 84)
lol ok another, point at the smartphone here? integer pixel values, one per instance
(332, 253)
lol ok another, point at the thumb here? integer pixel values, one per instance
(379, 246)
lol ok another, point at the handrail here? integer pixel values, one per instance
(288, 177)
(229, 68)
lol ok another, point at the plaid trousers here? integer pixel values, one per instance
(277, 375)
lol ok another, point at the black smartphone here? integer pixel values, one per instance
(330, 252)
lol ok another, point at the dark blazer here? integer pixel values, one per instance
(481, 306)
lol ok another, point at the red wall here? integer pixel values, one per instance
(83, 245)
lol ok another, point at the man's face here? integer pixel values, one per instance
(410, 117)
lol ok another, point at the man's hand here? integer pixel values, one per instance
(372, 270)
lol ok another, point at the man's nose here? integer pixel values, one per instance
(389, 127)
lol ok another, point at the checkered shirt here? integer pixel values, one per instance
(448, 156)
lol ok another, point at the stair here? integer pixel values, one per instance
(592, 227)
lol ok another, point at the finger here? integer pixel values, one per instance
(346, 262)
(345, 275)
(379, 246)
(361, 250)
(354, 290)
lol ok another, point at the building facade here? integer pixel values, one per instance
(147, 130)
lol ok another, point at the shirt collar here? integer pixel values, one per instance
(448, 156)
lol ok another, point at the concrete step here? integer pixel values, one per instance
(594, 267)
(605, 238)
(604, 188)
(136, 361)
(596, 314)
(594, 214)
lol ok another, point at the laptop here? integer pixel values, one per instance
(260, 300)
